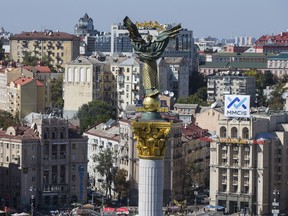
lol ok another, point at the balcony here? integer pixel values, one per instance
(55, 188)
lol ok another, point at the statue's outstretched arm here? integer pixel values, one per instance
(170, 33)
(133, 30)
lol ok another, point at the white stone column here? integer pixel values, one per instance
(150, 187)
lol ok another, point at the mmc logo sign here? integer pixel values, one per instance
(237, 106)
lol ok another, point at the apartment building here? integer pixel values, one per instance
(47, 160)
(230, 83)
(248, 162)
(129, 82)
(278, 65)
(272, 43)
(101, 137)
(25, 95)
(186, 112)
(9, 74)
(61, 47)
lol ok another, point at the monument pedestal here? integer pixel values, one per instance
(151, 137)
(150, 187)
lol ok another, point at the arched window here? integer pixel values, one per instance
(69, 75)
(76, 77)
(88, 76)
(46, 133)
(62, 133)
(223, 131)
(82, 75)
(245, 133)
(54, 133)
(234, 132)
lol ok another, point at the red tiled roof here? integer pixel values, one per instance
(44, 36)
(22, 134)
(28, 67)
(43, 69)
(280, 39)
(23, 81)
(38, 83)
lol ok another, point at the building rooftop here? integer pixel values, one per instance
(111, 133)
(281, 56)
(47, 35)
(227, 65)
(254, 55)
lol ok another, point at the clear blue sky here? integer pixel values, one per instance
(216, 18)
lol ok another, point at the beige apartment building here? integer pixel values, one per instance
(61, 47)
(25, 95)
(9, 74)
(248, 163)
(47, 160)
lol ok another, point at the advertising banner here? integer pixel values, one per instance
(237, 106)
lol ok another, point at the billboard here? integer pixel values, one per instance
(237, 106)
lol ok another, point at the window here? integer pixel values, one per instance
(82, 75)
(223, 132)
(73, 146)
(234, 132)
(73, 178)
(245, 133)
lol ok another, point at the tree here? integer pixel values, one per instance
(94, 113)
(262, 80)
(104, 165)
(197, 81)
(30, 60)
(57, 92)
(7, 119)
(2, 51)
(121, 184)
(193, 99)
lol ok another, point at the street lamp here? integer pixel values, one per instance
(195, 200)
(275, 203)
(32, 204)
(32, 200)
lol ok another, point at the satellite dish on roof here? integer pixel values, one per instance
(171, 94)
(213, 105)
(166, 92)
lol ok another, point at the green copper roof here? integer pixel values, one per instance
(227, 65)
(281, 56)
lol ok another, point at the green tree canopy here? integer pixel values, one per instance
(121, 183)
(2, 51)
(199, 97)
(95, 112)
(29, 59)
(57, 92)
(7, 119)
(197, 81)
(104, 166)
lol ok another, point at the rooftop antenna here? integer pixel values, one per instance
(171, 94)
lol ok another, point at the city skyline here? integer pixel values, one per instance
(221, 19)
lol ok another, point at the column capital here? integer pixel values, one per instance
(151, 137)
